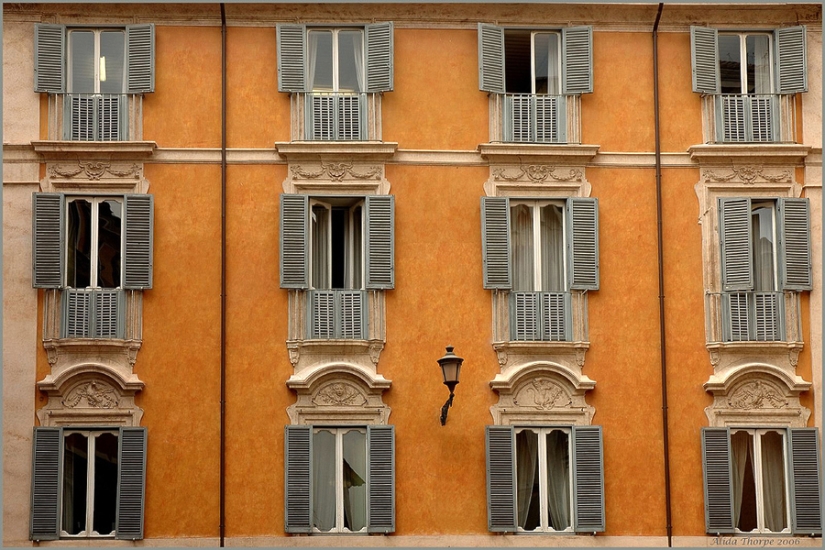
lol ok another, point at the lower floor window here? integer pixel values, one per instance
(543, 477)
(339, 490)
(89, 483)
(759, 489)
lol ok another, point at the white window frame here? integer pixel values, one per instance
(349, 251)
(533, 35)
(535, 206)
(339, 432)
(770, 204)
(743, 58)
(97, 59)
(95, 226)
(335, 68)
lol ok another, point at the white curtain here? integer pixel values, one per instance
(358, 53)
(762, 231)
(521, 242)
(320, 246)
(759, 57)
(355, 474)
(740, 446)
(552, 249)
(526, 460)
(323, 480)
(773, 481)
(558, 480)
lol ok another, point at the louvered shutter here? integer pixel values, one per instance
(795, 249)
(736, 311)
(291, 55)
(555, 312)
(704, 57)
(140, 60)
(138, 221)
(379, 55)
(47, 484)
(322, 314)
(380, 242)
(806, 481)
(381, 454)
(131, 483)
(588, 479)
(716, 470)
(80, 124)
(735, 241)
(501, 478)
(109, 310)
(48, 254)
(525, 316)
(577, 53)
(76, 321)
(49, 58)
(294, 241)
(110, 118)
(791, 55)
(490, 58)
(298, 467)
(495, 242)
(583, 243)
(767, 308)
(353, 314)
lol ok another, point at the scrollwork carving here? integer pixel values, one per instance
(336, 171)
(93, 170)
(339, 394)
(749, 175)
(756, 395)
(543, 394)
(96, 394)
(537, 173)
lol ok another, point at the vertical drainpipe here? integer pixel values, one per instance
(222, 497)
(662, 339)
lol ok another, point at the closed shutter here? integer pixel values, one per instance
(525, 316)
(138, 220)
(353, 314)
(555, 311)
(294, 241)
(77, 314)
(131, 483)
(588, 479)
(716, 468)
(791, 66)
(291, 55)
(110, 116)
(80, 125)
(501, 479)
(297, 466)
(49, 58)
(379, 54)
(577, 53)
(736, 311)
(108, 318)
(48, 254)
(46, 483)
(704, 57)
(795, 238)
(380, 242)
(735, 241)
(806, 481)
(495, 242)
(767, 308)
(140, 60)
(381, 455)
(490, 58)
(583, 228)
(322, 314)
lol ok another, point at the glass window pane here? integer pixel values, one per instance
(75, 471)
(730, 64)
(340, 219)
(763, 248)
(323, 480)
(558, 480)
(108, 237)
(320, 60)
(82, 62)
(79, 244)
(517, 59)
(320, 246)
(350, 61)
(773, 481)
(546, 63)
(527, 480)
(105, 483)
(552, 249)
(759, 64)
(521, 241)
(744, 483)
(112, 45)
(355, 480)
(357, 247)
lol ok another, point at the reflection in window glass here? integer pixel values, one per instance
(79, 240)
(108, 238)
(75, 471)
(105, 501)
(354, 477)
(112, 44)
(323, 480)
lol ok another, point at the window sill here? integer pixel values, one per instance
(62, 150)
(311, 150)
(575, 154)
(727, 153)
(84, 347)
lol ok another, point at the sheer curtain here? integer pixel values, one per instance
(558, 479)
(526, 459)
(762, 231)
(320, 246)
(740, 445)
(355, 472)
(773, 481)
(521, 240)
(552, 249)
(358, 54)
(323, 480)
(759, 64)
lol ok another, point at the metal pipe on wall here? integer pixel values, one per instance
(222, 497)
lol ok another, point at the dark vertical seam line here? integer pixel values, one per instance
(222, 498)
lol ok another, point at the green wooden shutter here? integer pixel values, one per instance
(49, 58)
(138, 221)
(716, 470)
(140, 58)
(501, 478)
(47, 484)
(353, 314)
(490, 58)
(380, 241)
(495, 242)
(381, 456)
(588, 479)
(76, 318)
(291, 56)
(791, 56)
(48, 254)
(806, 481)
(525, 316)
(379, 54)
(583, 243)
(795, 249)
(297, 480)
(294, 241)
(131, 483)
(704, 57)
(108, 317)
(577, 53)
(735, 242)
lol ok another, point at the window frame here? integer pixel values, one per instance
(536, 206)
(96, 31)
(336, 77)
(743, 55)
(94, 259)
(349, 252)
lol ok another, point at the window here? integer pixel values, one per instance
(340, 479)
(539, 75)
(545, 479)
(335, 74)
(762, 480)
(76, 497)
(96, 78)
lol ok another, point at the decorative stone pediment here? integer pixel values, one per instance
(537, 180)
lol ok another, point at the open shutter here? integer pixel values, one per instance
(46, 483)
(791, 64)
(49, 58)
(381, 456)
(795, 238)
(140, 58)
(379, 55)
(297, 466)
(716, 467)
(588, 479)
(380, 241)
(583, 243)
(806, 482)
(577, 53)
(704, 57)
(490, 58)
(501, 479)
(291, 55)
(48, 255)
(735, 241)
(131, 483)
(495, 242)
(138, 221)
(294, 241)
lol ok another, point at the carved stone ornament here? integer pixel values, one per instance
(750, 175)
(339, 394)
(537, 173)
(756, 395)
(336, 171)
(94, 170)
(93, 394)
(542, 393)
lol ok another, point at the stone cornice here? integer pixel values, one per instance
(314, 150)
(742, 153)
(538, 152)
(62, 150)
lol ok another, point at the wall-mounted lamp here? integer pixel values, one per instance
(450, 367)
